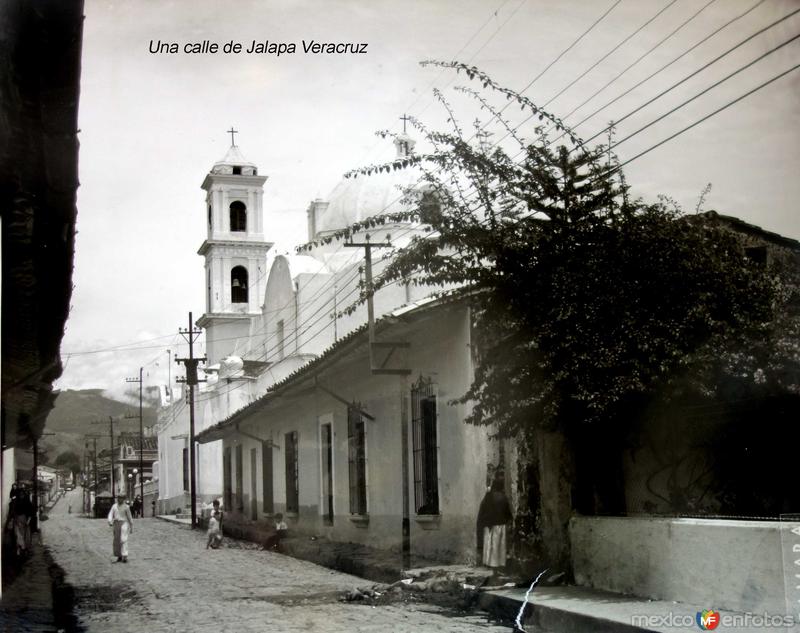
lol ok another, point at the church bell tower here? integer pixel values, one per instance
(235, 252)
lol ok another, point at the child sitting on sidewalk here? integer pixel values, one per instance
(215, 527)
(281, 530)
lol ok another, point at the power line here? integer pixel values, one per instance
(121, 345)
(566, 50)
(696, 72)
(639, 59)
(705, 118)
(493, 14)
(702, 92)
(608, 54)
(662, 68)
(463, 48)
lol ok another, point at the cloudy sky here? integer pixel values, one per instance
(153, 124)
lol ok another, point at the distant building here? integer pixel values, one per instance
(133, 462)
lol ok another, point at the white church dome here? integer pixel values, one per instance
(356, 199)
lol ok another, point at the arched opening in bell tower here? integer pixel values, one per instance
(239, 292)
(238, 216)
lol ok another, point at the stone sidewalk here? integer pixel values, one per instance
(173, 583)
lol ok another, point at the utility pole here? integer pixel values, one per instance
(391, 346)
(88, 503)
(94, 460)
(141, 439)
(368, 246)
(35, 520)
(85, 481)
(191, 335)
(169, 376)
(111, 435)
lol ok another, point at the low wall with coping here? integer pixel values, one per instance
(721, 564)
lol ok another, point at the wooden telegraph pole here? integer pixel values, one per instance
(141, 439)
(191, 335)
(111, 435)
(88, 504)
(380, 352)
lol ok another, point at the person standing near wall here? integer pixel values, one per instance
(119, 517)
(21, 511)
(494, 515)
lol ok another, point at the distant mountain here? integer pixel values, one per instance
(78, 413)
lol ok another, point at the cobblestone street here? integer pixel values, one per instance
(172, 583)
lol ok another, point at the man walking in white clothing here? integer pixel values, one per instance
(120, 518)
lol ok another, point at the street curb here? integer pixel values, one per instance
(547, 618)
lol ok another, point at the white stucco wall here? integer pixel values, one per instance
(9, 475)
(440, 350)
(734, 565)
(173, 436)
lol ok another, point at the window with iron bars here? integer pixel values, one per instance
(266, 475)
(185, 469)
(227, 493)
(425, 446)
(357, 460)
(292, 473)
(239, 479)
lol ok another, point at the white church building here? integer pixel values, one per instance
(348, 430)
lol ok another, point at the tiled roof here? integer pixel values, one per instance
(132, 439)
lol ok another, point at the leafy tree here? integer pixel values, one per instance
(68, 460)
(587, 302)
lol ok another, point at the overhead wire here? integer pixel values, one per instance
(621, 43)
(708, 116)
(566, 50)
(661, 68)
(705, 90)
(695, 73)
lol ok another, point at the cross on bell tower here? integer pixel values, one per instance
(232, 132)
(403, 142)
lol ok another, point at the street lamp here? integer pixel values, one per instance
(128, 491)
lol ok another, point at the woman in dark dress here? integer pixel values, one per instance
(494, 515)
